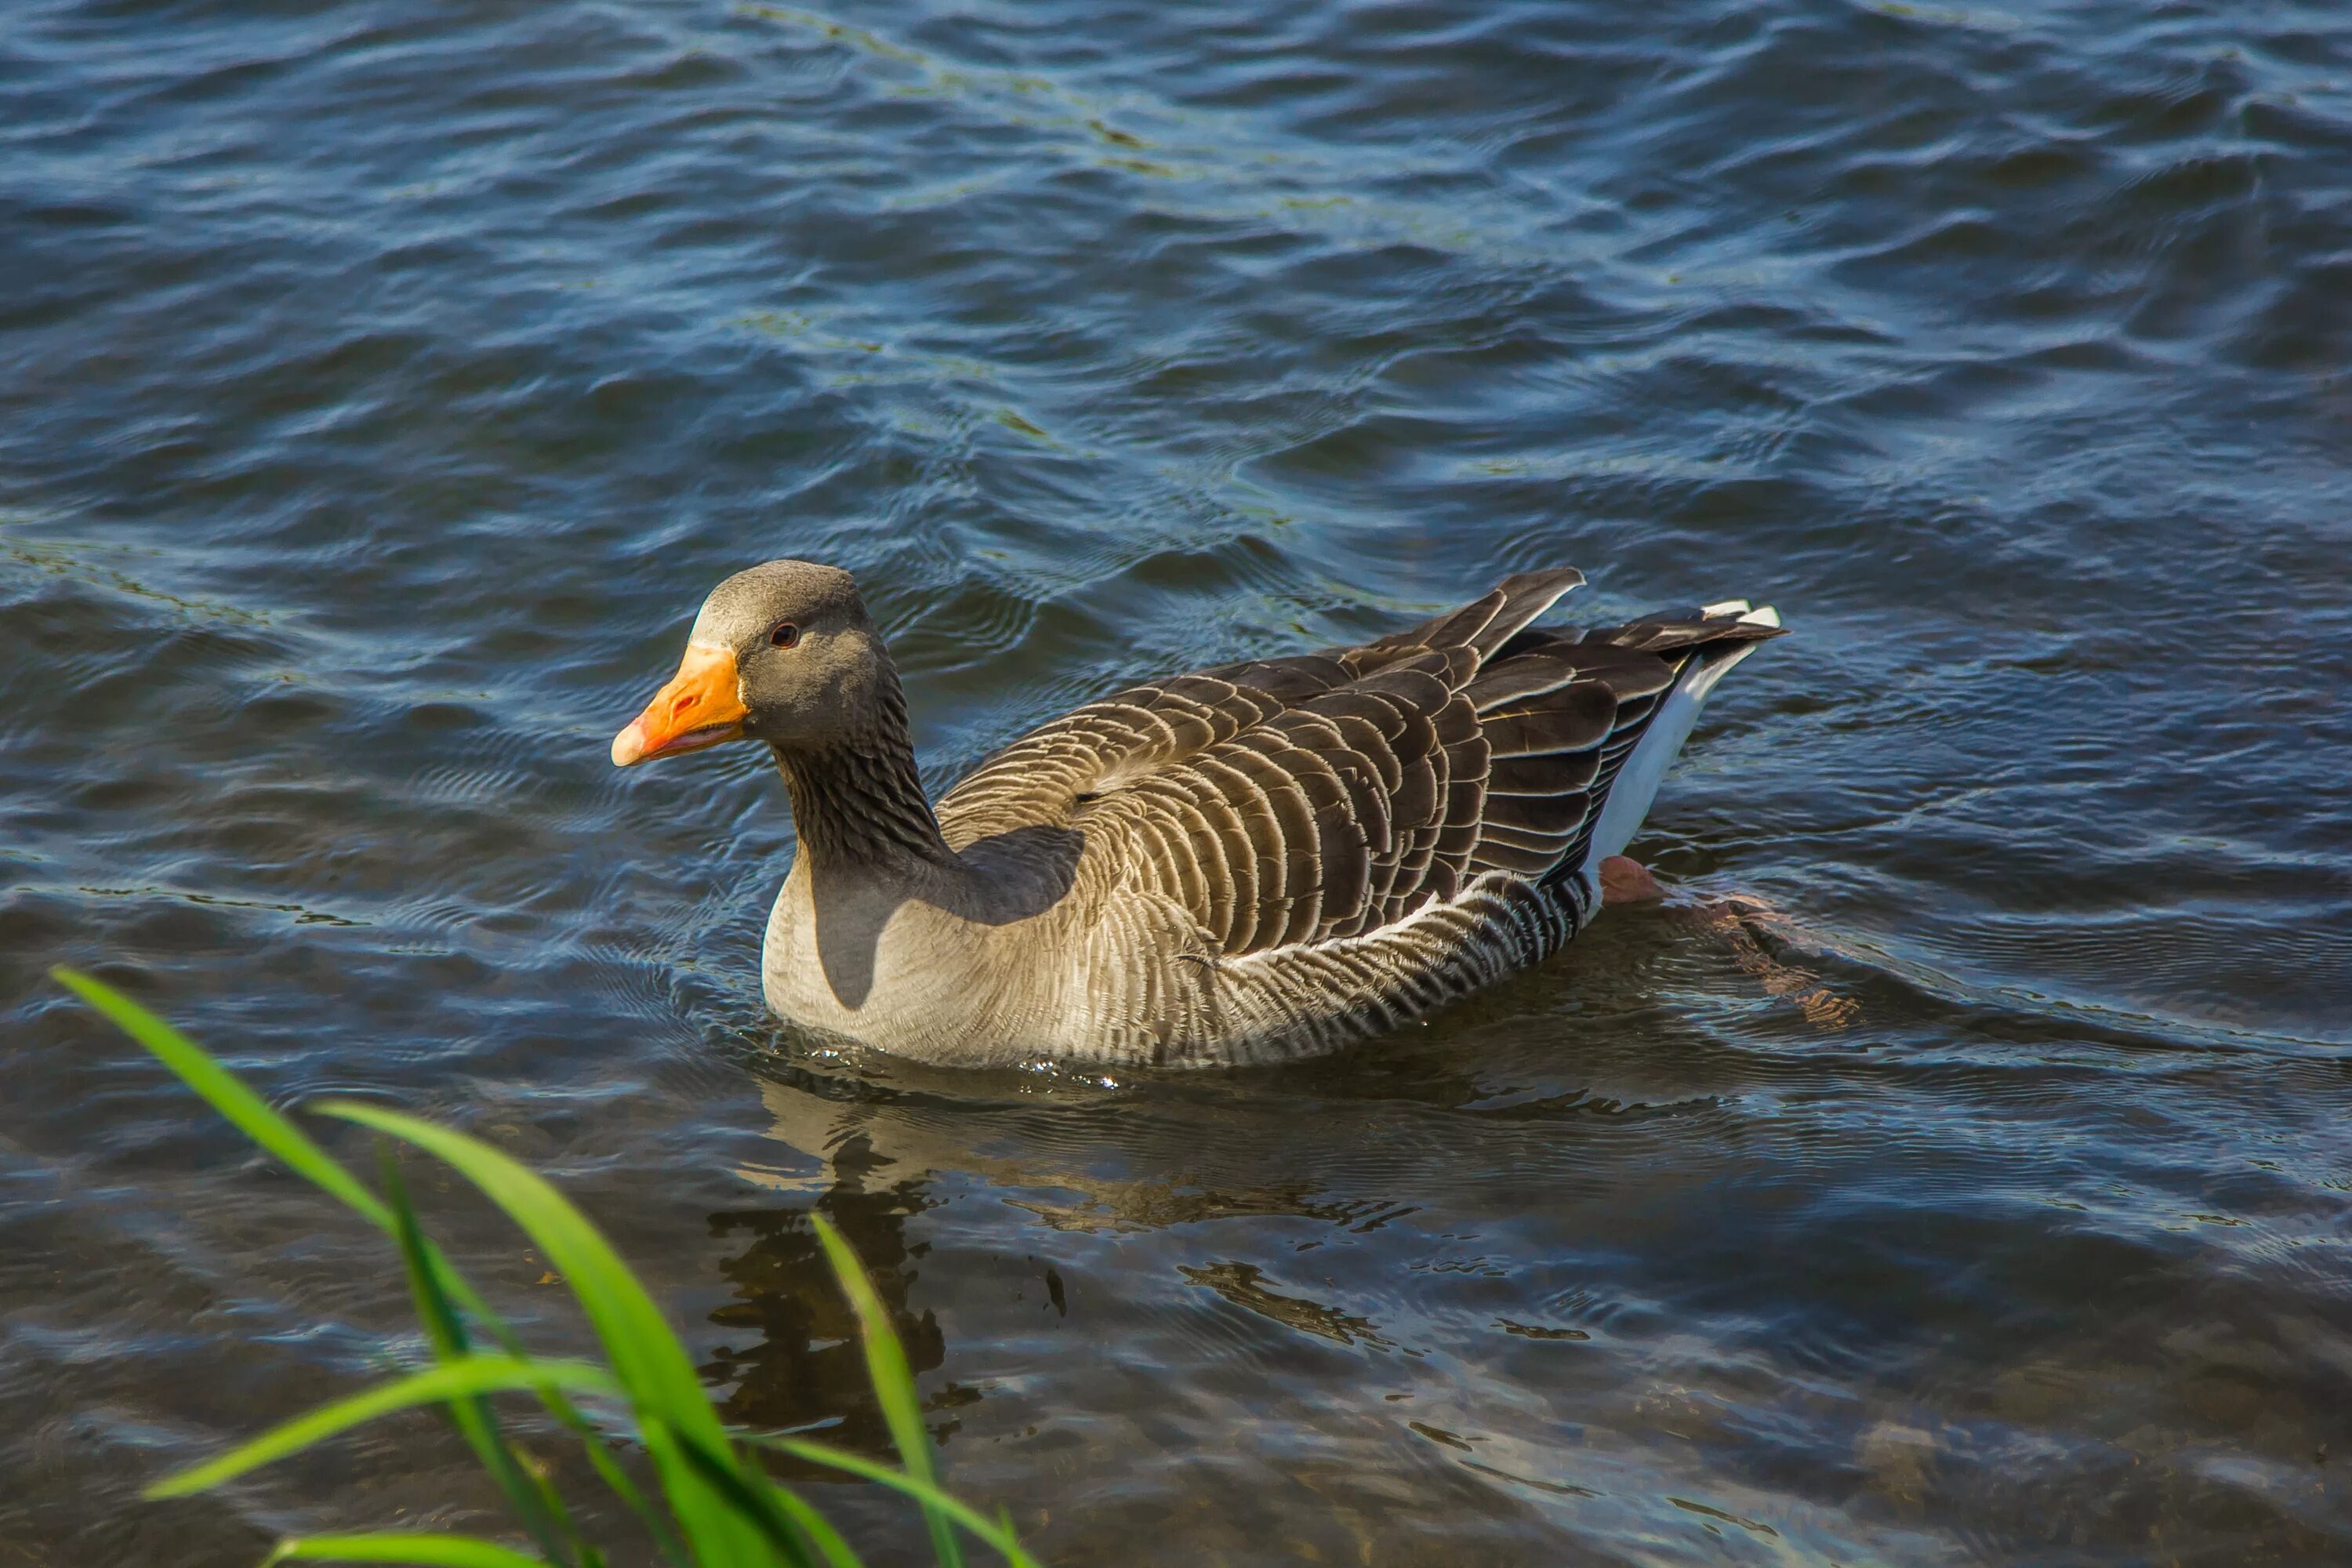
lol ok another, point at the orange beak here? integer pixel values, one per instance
(701, 706)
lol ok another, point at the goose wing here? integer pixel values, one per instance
(1322, 795)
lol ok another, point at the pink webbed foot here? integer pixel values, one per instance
(1625, 880)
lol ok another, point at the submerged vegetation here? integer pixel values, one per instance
(711, 1502)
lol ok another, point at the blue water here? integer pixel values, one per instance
(382, 385)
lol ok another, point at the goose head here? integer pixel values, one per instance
(782, 653)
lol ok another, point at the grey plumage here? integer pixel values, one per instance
(1256, 862)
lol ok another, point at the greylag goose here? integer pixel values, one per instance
(1254, 863)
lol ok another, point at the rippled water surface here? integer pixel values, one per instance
(383, 384)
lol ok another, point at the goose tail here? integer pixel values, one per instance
(1719, 636)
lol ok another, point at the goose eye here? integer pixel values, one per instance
(784, 635)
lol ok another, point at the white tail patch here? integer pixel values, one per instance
(1636, 784)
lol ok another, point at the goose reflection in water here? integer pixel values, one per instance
(880, 1156)
(805, 1370)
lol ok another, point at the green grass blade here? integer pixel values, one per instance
(996, 1534)
(894, 1382)
(225, 1092)
(644, 1354)
(396, 1546)
(599, 1455)
(442, 1328)
(747, 1491)
(447, 1379)
(529, 1493)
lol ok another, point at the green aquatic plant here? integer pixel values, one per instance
(712, 1503)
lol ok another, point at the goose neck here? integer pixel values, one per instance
(858, 806)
